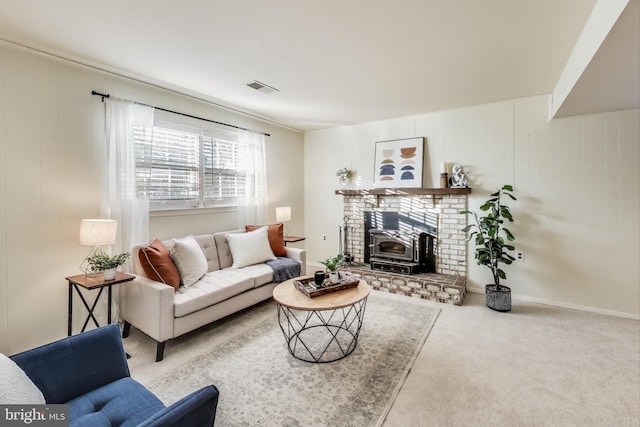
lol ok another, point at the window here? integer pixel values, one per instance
(180, 166)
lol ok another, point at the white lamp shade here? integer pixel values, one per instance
(98, 232)
(283, 214)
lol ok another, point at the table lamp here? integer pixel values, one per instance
(96, 233)
(283, 214)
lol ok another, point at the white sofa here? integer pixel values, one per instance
(164, 312)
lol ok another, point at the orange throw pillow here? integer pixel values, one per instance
(157, 264)
(276, 237)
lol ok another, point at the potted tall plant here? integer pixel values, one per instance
(101, 262)
(491, 246)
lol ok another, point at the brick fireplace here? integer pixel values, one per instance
(447, 283)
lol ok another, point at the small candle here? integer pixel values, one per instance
(443, 167)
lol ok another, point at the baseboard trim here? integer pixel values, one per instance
(520, 297)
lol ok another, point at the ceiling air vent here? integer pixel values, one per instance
(261, 87)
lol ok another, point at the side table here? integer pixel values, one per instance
(92, 283)
(293, 239)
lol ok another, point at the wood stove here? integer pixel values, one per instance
(401, 252)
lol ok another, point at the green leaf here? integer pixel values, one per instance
(510, 236)
(501, 274)
(507, 187)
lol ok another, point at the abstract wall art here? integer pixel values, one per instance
(398, 163)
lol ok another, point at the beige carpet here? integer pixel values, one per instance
(262, 384)
(535, 366)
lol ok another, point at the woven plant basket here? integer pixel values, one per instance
(498, 297)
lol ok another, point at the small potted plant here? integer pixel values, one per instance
(332, 264)
(101, 262)
(344, 175)
(491, 246)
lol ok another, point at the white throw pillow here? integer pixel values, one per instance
(15, 386)
(250, 248)
(189, 260)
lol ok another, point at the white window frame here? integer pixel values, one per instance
(234, 162)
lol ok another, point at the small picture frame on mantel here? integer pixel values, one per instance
(399, 163)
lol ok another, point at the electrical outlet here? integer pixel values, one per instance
(324, 237)
(519, 256)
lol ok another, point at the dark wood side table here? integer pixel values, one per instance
(92, 283)
(293, 239)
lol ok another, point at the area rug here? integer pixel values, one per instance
(261, 384)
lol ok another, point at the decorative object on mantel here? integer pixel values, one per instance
(491, 246)
(344, 175)
(458, 178)
(398, 163)
(444, 181)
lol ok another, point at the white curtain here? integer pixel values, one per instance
(254, 208)
(119, 197)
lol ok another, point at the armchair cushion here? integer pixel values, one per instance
(122, 403)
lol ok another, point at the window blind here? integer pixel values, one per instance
(177, 166)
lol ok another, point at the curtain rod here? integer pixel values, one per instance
(106, 95)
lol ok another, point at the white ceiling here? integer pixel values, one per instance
(334, 62)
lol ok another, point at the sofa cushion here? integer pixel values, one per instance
(189, 259)
(15, 386)
(124, 402)
(158, 265)
(214, 287)
(260, 273)
(209, 247)
(276, 237)
(224, 252)
(250, 248)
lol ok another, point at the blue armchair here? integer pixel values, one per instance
(89, 372)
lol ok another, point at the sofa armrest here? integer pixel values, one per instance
(197, 409)
(148, 305)
(301, 256)
(73, 366)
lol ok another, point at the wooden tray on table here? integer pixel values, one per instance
(308, 286)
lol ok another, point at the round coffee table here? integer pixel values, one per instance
(324, 328)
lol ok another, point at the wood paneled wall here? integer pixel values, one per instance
(51, 160)
(577, 181)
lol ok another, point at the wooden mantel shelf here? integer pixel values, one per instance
(403, 191)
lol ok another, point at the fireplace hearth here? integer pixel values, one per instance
(434, 212)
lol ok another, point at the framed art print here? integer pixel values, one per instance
(398, 163)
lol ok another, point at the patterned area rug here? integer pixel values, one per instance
(261, 384)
